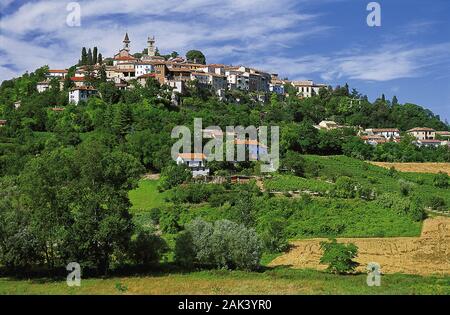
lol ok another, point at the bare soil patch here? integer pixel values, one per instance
(424, 255)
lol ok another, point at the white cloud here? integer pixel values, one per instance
(387, 63)
(220, 29)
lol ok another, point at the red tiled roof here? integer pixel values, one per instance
(192, 156)
(249, 142)
(79, 79)
(58, 71)
(147, 75)
(420, 129)
(124, 58)
(385, 130)
(84, 88)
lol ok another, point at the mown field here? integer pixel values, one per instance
(272, 281)
(425, 167)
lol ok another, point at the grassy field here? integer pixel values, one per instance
(331, 167)
(146, 196)
(273, 281)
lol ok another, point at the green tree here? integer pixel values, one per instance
(95, 56)
(173, 175)
(84, 57)
(441, 180)
(339, 257)
(294, 163)
(196, 56)
(90, 59)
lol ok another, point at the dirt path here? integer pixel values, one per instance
(416, 167)
(424, 255)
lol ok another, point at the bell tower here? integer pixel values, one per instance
(151, 46)
(126, 43)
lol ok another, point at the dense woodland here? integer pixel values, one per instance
(65, 175)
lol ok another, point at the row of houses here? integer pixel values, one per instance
(424, 137)
(176, 72)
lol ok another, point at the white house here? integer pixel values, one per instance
(422, 133)
(430, 143)
(195, 161)
(142, 67)
(59, 74)
(43, 86)
(81, 93)
(307, 88)
(384, 132)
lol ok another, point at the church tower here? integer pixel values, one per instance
(126, 43)
(151, 46)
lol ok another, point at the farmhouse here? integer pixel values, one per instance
(82, 93)
(422, 133)
(195, 161)
(384, 132)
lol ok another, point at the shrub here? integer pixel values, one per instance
(437, 203)
(147, 248)
(416, 211)
(345, 187)
(173, 175)
(169, 219)
(272, 232)
(441, 180)
(405, 187)
(339, 257)
(224, 244)
(392, 172)
(155, 214)
(294, 163)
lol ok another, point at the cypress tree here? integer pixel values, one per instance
(100, 59)
(84, 56)
(94, 56)
(89, 57)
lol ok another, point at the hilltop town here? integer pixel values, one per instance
(175, 72)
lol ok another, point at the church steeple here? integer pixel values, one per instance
(126, 42)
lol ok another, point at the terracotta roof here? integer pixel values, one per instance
(443, 133)
(124, 58)
(249, 142)
(208, 74)
(84, 88)
(192, 156)
(385, 130)
(58, 71)
(79, 79)
(147, 75)
(420, 129)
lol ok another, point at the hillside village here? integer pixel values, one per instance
(176, 72)
(126, 70)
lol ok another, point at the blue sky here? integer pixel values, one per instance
(327, 41)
